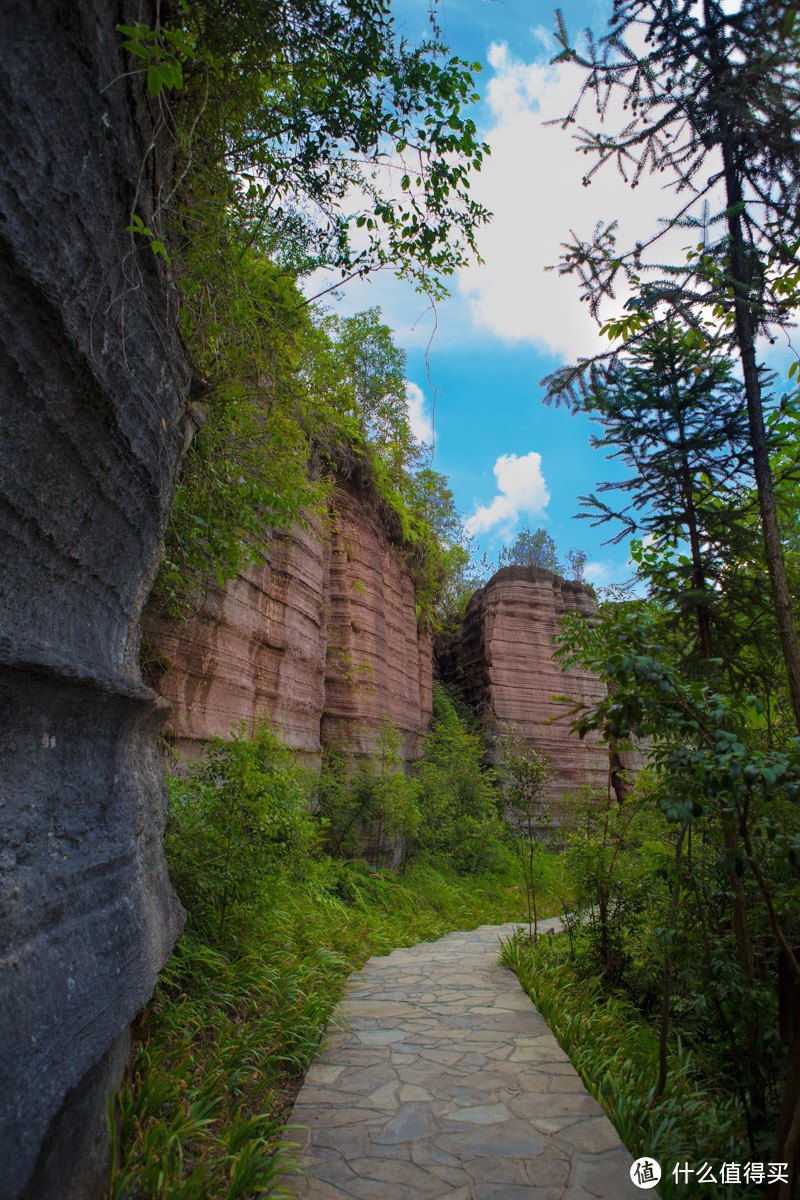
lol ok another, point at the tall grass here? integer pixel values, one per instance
(223, 1045)
(275, 926)
(615, 1051)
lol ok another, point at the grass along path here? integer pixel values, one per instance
(222, 1048)
(615, 1051)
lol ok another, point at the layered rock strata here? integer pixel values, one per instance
(320, 639)
(92, 387)
(255, 649)
(503, 661)
(379, 666)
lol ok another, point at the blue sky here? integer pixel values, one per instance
(511, 461)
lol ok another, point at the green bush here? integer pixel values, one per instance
(274, 928)
(618, 857)
(239, 815)
(368, 808)
(458, 798)
(615, 1051)
(524, 774)
(650, 918)
(232, 1026)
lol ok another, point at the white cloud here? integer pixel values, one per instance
(418, 417)
(533, 184)
(606, 573)
(601, 572)
(546, 39)
(520, 489)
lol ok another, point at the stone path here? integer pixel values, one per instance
(441, 1079)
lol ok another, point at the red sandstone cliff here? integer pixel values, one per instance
(503, 661)
(322, 639)
(378, 664)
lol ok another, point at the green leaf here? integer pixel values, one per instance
(138, 50)
(155, 81)
(160, 248)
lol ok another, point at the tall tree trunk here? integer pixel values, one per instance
(745, 329)
(745, 337)
(666, 987)
(744, 947)
(788, 1141)
(787, 1149)
(702, 614)
(699, 585)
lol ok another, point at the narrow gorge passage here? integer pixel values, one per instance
(440, 1078)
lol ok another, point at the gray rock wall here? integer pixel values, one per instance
(92, 387)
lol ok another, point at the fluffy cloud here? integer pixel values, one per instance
(520, 489)
(418, 416)
(601, 572)
(533, 184)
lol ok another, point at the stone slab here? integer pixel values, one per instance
(466, 1094)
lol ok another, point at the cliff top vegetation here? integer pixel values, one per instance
(306, 136)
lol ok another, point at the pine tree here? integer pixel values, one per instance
(672, 413)
(705, 86)
(717, 89)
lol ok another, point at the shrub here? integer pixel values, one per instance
(525, 773)
(615, 1051)
(370, 807)
(274, 928)
(458, 797)
(239, 814)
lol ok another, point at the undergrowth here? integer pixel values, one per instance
(275, 926)
(615, 1051)
(231, 1029)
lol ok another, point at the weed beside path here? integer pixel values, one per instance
(276, 924)
(615, 1051)
(223, 1046)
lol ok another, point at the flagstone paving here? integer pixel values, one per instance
(440, 1078)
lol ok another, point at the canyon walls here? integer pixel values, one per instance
(321, 639)
(379, 666)
(92, 387)
(503, 661)
(255, 648)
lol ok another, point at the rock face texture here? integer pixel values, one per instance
(256, 648)
(378, 665)
(92, 388)
(321, 639)
(504, 663)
